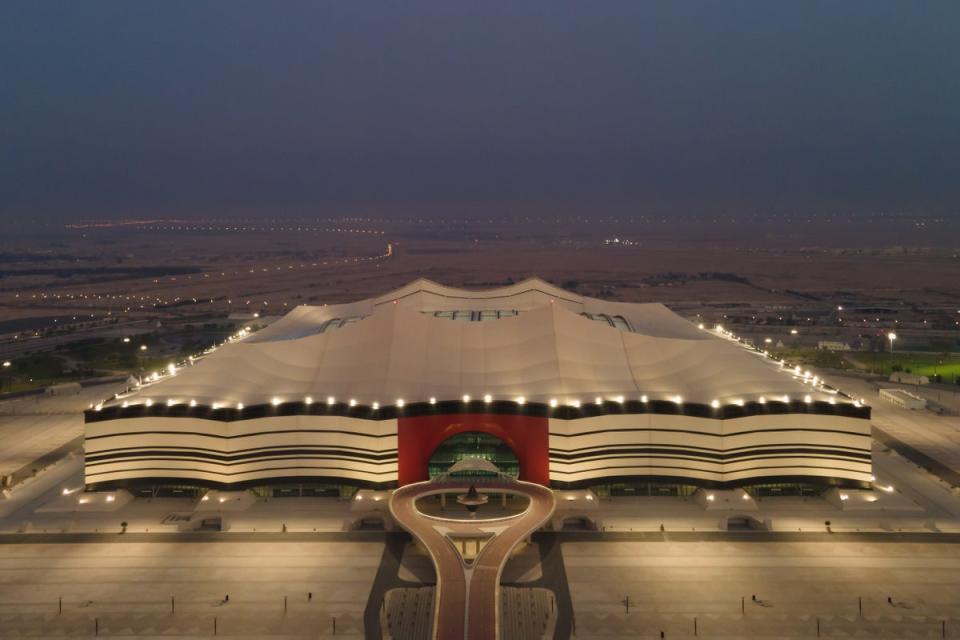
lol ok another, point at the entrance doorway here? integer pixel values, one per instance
(473, 444)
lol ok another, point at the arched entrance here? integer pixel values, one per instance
(473, 444)
(419, 437)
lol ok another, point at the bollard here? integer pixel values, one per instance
(96, 626)
(743, 606)
(818, 626)
(284, 604)
(860, 605)
(334, 625)
(694, 625)
(943, 628)
(60, 605)
(214, 625)
(172, 606)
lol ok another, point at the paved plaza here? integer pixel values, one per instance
(125, 589)
(33, 426)
(686, 581)
(670, 583)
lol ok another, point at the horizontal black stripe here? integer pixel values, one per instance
(218, 460)
(456, 407)
(718, 456)
(705, 433)
(298, 468)
(240, 452)
(705, 462)
(689, 469)
(204, 434)
(670, 445)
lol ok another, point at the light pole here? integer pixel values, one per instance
(891, 336)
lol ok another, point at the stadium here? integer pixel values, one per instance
(553, 387)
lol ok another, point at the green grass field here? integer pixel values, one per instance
(924, 364)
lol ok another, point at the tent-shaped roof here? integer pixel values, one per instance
(544, 344)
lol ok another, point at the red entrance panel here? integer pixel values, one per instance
(528, 436)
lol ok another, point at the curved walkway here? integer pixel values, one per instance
(467, 602)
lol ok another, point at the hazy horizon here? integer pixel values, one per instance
(303, 109)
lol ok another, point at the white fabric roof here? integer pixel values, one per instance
(547, 351)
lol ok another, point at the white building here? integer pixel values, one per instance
(833, 345)
(903, 399)
(564, 389)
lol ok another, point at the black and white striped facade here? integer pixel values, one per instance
(730, 446)
(644, 396)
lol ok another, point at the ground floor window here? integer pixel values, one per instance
(778, 489)
(644, 489)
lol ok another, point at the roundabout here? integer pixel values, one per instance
(469, 553)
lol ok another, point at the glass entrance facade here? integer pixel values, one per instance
(473, 444)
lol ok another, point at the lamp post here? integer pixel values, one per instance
(891, 337)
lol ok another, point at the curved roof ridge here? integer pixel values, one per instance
(425, 285)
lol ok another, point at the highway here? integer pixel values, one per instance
(467, 598)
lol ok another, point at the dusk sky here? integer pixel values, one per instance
(136, 109)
